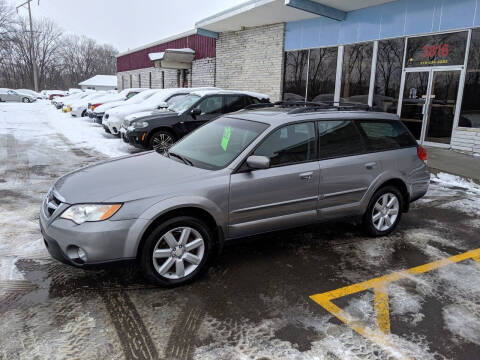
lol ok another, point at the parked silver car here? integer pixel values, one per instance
(15, 96)
(246, 173)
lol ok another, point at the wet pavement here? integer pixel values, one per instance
(254, 302)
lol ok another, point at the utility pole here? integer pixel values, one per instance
(32, 47)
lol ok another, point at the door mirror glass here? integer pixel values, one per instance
(258, 162)
(196, 112)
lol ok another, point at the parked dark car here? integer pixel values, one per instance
(160, 130)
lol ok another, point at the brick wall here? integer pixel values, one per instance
(466, 140)
(203, 72)
(169, 75)
(251, 59)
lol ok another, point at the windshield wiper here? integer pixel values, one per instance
(184, 159)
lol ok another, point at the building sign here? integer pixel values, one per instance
(436, 50)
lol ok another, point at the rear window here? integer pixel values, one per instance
(385, 135)
(339, 138)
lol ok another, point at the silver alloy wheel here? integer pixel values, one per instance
(385, 212)
(162, 142)
(26, 100)
(178, 252)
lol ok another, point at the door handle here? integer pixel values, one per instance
(306, 176)
(371, 165)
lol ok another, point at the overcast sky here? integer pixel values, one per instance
(126, 24)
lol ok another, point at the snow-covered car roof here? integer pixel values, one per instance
(203, 93)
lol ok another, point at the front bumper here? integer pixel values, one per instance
(137, 138)
(97, 118)
(103, 241)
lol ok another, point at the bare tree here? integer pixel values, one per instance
(63, 60)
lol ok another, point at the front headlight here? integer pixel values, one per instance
(140, 124)
(90, 212)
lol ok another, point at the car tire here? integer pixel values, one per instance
(25, 100)
(161, 140)
(84, 113)
(384, 211)
(166, 269)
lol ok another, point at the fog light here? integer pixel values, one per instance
(82, 254)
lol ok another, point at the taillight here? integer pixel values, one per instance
(422, 154)
(95, 106)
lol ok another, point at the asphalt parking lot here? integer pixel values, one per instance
(320, 292)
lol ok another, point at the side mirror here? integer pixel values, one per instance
(196, 112)
(258, 162)
(162, 105)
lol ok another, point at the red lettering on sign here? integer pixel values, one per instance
(432, 51)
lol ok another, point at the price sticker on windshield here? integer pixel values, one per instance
(226, 137)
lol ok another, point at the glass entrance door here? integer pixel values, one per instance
(442, 106)
(429, 104)
(414, 101)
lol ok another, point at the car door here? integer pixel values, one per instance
(210, 107)
(346, 169)
(283, 195)
(12, 96)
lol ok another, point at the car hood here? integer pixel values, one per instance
(155, 115)
(127, 178)
(109, 105)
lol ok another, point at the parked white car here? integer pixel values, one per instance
(113, 119)
(79, 107)
(121, 97)
(99, 112)
(60, 102)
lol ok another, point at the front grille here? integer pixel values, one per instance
(52, 202)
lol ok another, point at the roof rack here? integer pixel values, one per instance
(332, 105)
(306, 106)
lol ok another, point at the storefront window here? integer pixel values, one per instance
(295, 77)
(470, 115)
(357, 64)
(321, 74)
(388, 75)
(436, 50)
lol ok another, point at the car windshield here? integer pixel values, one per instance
(184, 104)
(216, 144)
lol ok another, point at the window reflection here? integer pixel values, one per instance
(322, 74)
(470, 115)
(388, 75)
(357, 63)
(295, 76)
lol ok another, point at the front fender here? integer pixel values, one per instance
(165, 206)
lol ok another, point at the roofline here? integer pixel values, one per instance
(159, 42)
(240, 8)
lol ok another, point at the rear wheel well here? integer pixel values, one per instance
(195, 212)
(402, 187)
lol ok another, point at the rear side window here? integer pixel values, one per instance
(385, 135)
(289, 145)
(339, 138)
(234, 103)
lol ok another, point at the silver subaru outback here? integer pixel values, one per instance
(246, 173)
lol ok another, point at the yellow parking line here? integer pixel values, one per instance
(380, 303)
(379, 285)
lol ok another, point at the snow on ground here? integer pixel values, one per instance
(82, 132)
(40, 137)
